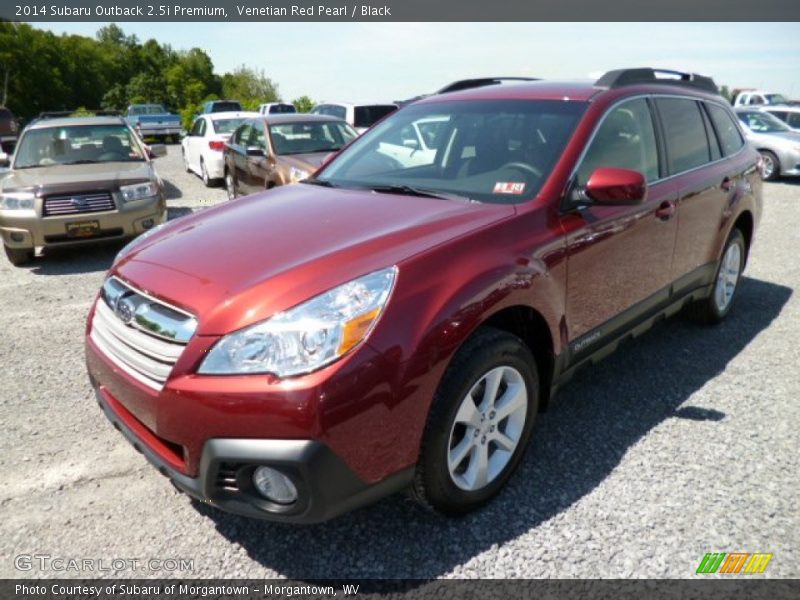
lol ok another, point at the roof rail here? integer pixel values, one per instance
(623, 77)
(465, 84)
(59, 114)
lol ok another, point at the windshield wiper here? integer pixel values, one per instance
(84, 161)
(320, 182)
(409, 190)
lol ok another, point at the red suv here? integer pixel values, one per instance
(399, 319)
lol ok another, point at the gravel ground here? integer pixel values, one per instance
(683, 442)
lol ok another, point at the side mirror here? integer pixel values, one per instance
(613, 186)
(5, 160)
(156, 150)
(255, 151)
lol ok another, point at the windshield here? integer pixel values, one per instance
(775, 98)
(282, 109)
(367, 116)
(760, 122)
(77, 144)
(491, 151)
(309, 137)
(225, 107)
(147, 109)
(226, 125)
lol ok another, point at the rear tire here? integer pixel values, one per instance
(230, 186)
(718, 304)
(772, 166)
(479, 424)
(19, 256)
(204, 174)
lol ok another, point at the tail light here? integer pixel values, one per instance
(217, 145)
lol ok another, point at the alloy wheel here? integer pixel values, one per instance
(728, 277)
(487, 428)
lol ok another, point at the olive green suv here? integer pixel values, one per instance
(78, 180)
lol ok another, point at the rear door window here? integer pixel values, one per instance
(625, 140)
(793, 119)
(730, 139)
(687, 144)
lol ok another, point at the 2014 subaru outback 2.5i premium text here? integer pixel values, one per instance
(388, 324)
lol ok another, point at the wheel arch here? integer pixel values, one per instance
(531, 327)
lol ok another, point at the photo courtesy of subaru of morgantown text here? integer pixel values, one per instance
(294, 355)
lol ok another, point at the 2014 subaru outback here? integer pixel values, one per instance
(392, 323)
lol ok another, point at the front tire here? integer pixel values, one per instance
(19, 256)
(719, 303)
(772, 166)
(479, 425)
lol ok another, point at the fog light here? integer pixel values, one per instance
(17, 237)
(148, 223)
(274, 485)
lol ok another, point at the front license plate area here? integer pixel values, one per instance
(82, 229)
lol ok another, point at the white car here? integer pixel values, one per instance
(276, 108)
(415, 145)
(202, 146)
(360, 116)
(758, 98)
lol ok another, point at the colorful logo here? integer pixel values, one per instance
(734, 563)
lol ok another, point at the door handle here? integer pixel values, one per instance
(666, 210)
(726, 184)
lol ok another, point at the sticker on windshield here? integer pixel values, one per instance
(509, 187)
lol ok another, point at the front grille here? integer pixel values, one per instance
(142, 336)
(76, 204)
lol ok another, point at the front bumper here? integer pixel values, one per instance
(789, 162)
(27, 229)
(326, 486)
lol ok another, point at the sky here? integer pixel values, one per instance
(389, 61)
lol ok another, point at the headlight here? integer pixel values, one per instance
(138, 191)
(296, 174)
(308, 336)
(17, 201)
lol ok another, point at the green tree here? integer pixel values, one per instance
(249, 86)
(303, 104)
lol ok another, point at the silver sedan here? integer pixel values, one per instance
(778, 144)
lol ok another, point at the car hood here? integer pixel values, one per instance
(57, 176)
(309, 162)
(242, 262)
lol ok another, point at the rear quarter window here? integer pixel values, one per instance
(727, 132)
(685, 133)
